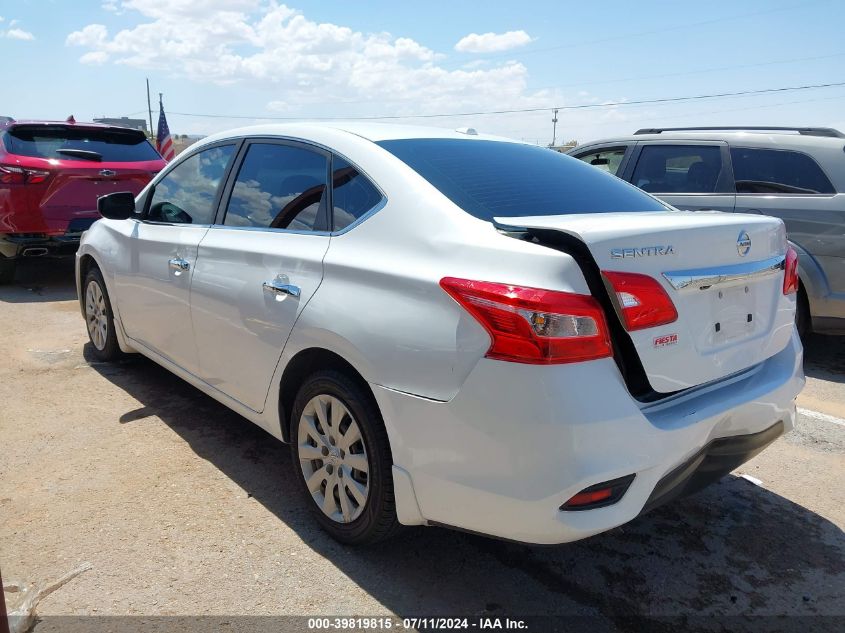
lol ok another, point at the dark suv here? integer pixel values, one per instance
(51, 174)
(796, 174)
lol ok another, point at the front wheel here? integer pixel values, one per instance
(98, 317)
(342, 459)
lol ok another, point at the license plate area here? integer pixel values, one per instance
(733, 313)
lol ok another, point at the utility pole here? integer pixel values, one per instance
(150, 108)
(554, 129)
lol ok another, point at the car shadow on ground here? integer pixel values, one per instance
(41, 279)
(734, 549)
(824, 357)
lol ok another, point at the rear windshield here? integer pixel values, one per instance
(498, 179)
(79, 144)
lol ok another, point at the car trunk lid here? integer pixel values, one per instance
(723, 273)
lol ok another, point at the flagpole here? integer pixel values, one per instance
(150, 108)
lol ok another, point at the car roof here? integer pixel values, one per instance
(734, 137)
(369, 130)
(13, 123)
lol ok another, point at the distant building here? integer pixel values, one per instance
(135, 124)
(565, 147)
(181, 142)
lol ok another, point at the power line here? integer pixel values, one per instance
(693, 72)
(582, 106)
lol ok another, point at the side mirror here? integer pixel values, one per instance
(117, 206)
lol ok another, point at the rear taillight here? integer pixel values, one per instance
(14, 175)
(642, 300)
(790, 272)
(531, 325)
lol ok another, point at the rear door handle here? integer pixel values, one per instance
(179, 265)
(278, 287)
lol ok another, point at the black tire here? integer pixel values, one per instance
(802, 314)
(8, 266)
(377, 521)
(107, 349)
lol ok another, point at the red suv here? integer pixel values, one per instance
(51, 174)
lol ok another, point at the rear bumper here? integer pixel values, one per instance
(519, 441)
(42, 245)
(710, 464)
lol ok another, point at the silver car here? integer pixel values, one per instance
(795, 174)
(450, 328)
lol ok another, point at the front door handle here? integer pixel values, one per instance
(179, 265)
(279, 287)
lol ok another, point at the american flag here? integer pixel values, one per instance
(164, 144)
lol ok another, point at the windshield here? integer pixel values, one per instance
(491, 179)
(79, 144)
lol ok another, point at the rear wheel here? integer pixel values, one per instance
(7, 269)
(98, 317)
(342, 459)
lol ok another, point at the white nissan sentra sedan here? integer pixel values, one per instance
(450, 328)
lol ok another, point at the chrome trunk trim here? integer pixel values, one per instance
(703, 278)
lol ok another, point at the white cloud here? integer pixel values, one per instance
(492, 42)
(233, 41)
(95, 58)
(93, 36)
(308, 68)
(18, 34)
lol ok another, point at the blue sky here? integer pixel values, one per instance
(260, 58)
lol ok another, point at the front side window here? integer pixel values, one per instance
(352, 194)
(186, 195)
(608, 160)
(490, 179)
(679, 168)
(280, 187)
(777, 171)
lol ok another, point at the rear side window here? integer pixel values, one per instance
(65, 143)
(186, 195)
(491, 179)
(352, 194)
(777, 171)
(280, 187)
(678, 168)
(608, 160)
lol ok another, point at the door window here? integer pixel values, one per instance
(678, 168)
(186, 195)
(352, 194)
(280, 187)
(608, 160)
(777, 171)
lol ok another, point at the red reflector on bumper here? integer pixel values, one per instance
(598, 496)
(586, 498)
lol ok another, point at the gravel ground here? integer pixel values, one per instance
(184, 508)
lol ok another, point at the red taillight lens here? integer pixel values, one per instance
(531, 325)
(14, 175)
(643, 301)
(790, 273)
(11, 175)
